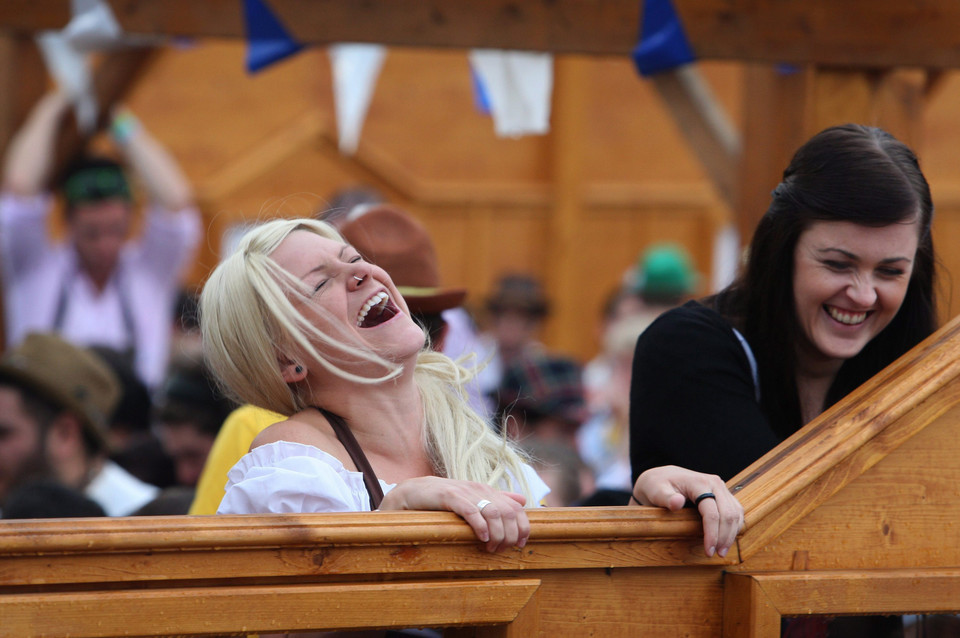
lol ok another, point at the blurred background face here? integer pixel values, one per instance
(20, 442)
(513, 329)
(188, 447)
(99, 230)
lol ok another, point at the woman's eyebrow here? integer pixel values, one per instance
(845, 253)
(850, 255)
(326, 264)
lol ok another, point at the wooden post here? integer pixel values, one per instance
(774, 124)
(568, 135)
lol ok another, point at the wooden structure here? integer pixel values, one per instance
(855, 514)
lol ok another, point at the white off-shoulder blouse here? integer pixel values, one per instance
(287, 477)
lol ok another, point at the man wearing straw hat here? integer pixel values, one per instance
(55, 400)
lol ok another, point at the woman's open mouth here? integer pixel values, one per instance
(845, 317)
(377, 310)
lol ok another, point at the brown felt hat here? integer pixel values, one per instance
(398, 243)
(72, 378)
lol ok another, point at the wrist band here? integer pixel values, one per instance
(123, 126)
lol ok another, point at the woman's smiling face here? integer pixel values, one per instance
(848, 283)
(353, 291)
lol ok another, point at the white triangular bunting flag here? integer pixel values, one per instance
(355, 71)
(519, 86)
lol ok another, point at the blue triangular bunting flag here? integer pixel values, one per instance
(480, 98)
(663, 43)
(267, 38)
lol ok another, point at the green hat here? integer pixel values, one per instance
(95, 180)
(665, 272)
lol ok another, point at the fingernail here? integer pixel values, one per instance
(522, 543)
(723, 552)
(484, 538)
(711, 551)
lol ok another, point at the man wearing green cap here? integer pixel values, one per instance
(97, 287)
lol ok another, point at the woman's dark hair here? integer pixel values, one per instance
(849, 173)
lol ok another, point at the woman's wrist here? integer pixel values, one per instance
(123, 127)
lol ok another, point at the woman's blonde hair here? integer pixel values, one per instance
(251, 325)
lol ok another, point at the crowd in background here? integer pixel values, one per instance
(113, 410)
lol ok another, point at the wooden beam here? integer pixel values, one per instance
(705, 125)
(775, 124)
(865, 33)
(874, 591)
(268, 608)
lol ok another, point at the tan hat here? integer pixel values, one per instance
(390, 238)
(73, 378)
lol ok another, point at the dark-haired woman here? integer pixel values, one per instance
(839, 283)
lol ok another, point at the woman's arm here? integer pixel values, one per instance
(497, 518)
(692, 397)
(30, 154)
(154, 166)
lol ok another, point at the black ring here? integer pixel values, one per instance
(703, 496)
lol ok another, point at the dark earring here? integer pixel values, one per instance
(298, 369)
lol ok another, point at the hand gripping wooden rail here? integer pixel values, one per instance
(857, 513)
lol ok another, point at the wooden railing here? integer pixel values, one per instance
(858, 513)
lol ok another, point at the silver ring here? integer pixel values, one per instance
(358, 278)
(482, 503)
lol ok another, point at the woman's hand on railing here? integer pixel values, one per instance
(672, 487)
(497, 518)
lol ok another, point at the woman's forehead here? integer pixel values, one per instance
(892, 238)
(305, 250)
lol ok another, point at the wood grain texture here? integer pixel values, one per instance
(747, 611)
(890, 515)
(868, 33)
(256, 609)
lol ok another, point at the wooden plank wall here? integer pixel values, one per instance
(575, 207)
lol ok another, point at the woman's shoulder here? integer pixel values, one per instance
(692, 339)
(692, 320)
(293, 455)
(286, 476)
(293, 430)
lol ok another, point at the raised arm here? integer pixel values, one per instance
(30, 154)
(153, 165)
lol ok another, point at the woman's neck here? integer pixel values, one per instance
(814, 377)
(386, 418)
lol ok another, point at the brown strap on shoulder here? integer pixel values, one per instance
(349, 442)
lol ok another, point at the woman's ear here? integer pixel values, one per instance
(292, 372)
